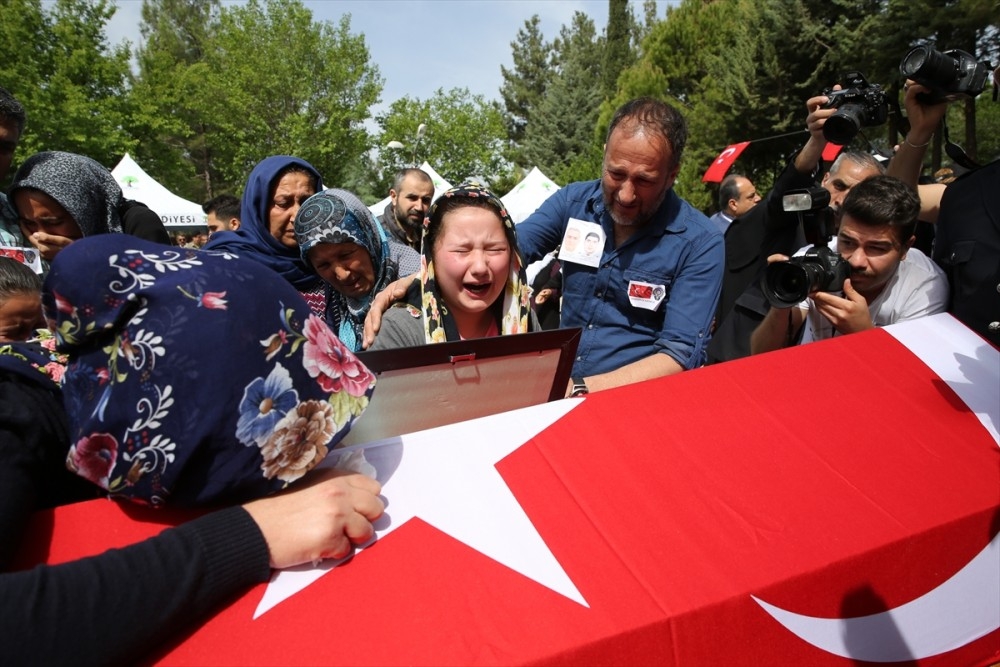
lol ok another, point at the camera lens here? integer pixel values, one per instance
(787, 283)
(843, 126)
(923, 63)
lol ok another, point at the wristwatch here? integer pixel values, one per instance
(579, 387)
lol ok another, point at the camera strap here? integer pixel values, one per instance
(956, 152)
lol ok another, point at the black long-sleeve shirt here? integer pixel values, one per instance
(118, 607)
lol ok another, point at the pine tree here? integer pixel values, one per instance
(524, 86)
(561, 130)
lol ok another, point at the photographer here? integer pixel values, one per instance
(766, 230)
(888, 281)
(967, 212)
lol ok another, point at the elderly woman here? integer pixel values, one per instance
(62, 197)
(341, 241)
(472, 282)
(275, 190)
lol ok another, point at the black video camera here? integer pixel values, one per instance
(819, 270)
(859, 104)
(949, 75)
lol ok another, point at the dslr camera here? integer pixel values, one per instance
(949, 75)
(819, 270)
(859, 104)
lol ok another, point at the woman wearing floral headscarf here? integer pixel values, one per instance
(81, 611)
(276, 189)
(472, 282)
(62, 197)
(158, 417)
(342, 242)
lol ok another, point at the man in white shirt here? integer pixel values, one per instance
(889, 281)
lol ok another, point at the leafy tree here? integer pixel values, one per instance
(464, 136)
(618, 53)
(57, 62)
(640, 29)
(524, 86)
(559, 140)
(259, 79)
(308, 95)
(173, 101)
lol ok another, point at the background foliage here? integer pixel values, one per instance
(210, 88)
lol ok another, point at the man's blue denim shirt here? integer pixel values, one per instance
(678, 249)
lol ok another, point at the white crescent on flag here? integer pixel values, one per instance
(967, 605)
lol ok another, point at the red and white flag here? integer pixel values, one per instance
(721, 164)
(829, 504)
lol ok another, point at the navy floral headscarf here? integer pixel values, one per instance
(337, 216)
(36, 360)
(194, 377)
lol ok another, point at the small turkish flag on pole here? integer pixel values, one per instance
(721, 164)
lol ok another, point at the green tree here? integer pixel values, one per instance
(464, 137)
(57, 62)
(259, 79)
(618, 52)
(559, 140)
(291, 85)
(173, 102)
(524, 86)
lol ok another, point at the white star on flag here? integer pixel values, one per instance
(447, 477)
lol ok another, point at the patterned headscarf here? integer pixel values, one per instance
(337, 216)
(194, 377)
(84, 187)
(35, 360)
(253, 239)
(511, 312)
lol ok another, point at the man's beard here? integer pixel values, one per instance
(405, 222)
(641, 218)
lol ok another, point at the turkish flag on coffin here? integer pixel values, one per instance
(836, 480)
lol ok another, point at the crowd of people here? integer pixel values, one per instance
(294, 278)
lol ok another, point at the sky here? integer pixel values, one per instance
(422, 45)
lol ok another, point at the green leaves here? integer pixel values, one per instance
(464, 137)
(56, 61)
(260, 79)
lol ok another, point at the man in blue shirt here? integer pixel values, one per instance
(646, 308)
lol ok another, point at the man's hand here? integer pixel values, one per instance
(543, 296)
(395, 291)
(815, 106)
(808, 158)
(322, 517)
(49, 245)
(924, 118)
(848, 314)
